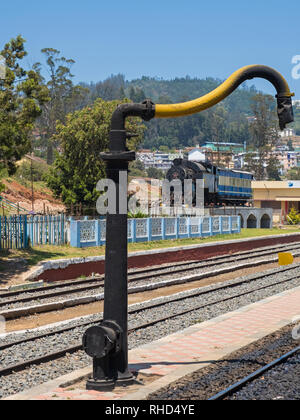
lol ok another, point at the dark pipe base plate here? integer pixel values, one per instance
(101, 386)
(109, 385)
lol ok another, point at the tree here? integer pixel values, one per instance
(164, 149)
(264, 136)
(64, 96)
(273, 169)
(155, 173)
(290, 145)
(22, 95)
(77, 170)
(137, 95)
(111, 88)
(293, 174)
(137, 168)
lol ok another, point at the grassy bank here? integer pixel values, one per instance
(45, 252)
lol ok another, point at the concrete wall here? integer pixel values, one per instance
(251, 217)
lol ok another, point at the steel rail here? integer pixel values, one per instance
(54, 355)
(246, 380)
(175, 299)
(158, 271)
(206, 262)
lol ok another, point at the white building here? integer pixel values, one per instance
(196, 155)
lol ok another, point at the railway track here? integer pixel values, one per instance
(153, 306)
(237, 386)
(80, 286)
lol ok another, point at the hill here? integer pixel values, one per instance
(17, 189)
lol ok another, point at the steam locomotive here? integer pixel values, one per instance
(221, 186)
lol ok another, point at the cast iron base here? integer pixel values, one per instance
(109, 384)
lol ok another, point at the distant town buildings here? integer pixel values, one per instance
(158, 160)
(296, 103)
(229, 155)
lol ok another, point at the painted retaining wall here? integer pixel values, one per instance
(89, 233)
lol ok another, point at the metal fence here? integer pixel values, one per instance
(87, 233)
(13, 232)
(47, 230)
(18, 232)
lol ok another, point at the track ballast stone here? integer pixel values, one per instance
(39, 374)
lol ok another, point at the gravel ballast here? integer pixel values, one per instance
(45, 372)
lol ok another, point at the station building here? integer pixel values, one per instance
(281, 196)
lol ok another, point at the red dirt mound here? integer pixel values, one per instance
(21, 195)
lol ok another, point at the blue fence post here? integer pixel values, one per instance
(230, 224)
(177, 221)
(25, 232)
(189, 227)
(133, 226)
(239, 224)
(52, 238)
(98, 232)
(163, 228)
(149, 229)
(62, 228)
(211, 226)
(31, 230)
(221, 225)
(129, 228)
(75, 233)
(200, 227)
(102, 241)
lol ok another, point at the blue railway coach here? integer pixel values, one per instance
(234, 185)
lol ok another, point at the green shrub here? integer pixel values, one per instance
(293, 217)
(137, 215)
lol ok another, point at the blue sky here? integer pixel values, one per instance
(165, 38)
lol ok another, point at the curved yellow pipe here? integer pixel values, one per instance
(225, 89)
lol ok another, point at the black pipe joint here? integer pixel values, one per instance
(285, 110)
(144, 110)
(103, 340)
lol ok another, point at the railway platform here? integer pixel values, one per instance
(162, 362)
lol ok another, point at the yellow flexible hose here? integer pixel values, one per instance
(221, 92)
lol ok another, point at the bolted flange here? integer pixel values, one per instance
(99, 341)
